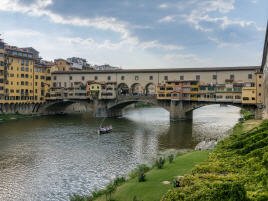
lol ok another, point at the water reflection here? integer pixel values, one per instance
(47, 158)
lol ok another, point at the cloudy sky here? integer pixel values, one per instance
(140, 33)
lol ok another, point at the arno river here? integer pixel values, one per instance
(48, 158)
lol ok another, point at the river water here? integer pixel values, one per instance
(51, 157)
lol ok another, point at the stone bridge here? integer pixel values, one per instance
(178, 109)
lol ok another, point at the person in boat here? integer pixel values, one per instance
(102, 129)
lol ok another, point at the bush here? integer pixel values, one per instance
(141, 177)
(141, 168)
(119, 180)
(247, 115)
(237, 169)
(159, 163)
(170, 158)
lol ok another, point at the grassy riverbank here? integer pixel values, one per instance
(153, 188)
(237, 169)
(7, 117)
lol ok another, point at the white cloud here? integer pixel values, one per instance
(168, 18)
(221, 44)
(190, 60)
(203, 9)
(163, 5)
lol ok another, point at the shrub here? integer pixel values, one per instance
(141, 177)
(141, 168)
(119, 180)
(159, 163)
(170, 158)
(247, 115)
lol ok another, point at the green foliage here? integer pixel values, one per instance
(170, 158)
(119, 181)
(237, 169)
(141, 168)
(75, 197)
(159, 163)
(141, 177)
(110, 189)
(247, 115)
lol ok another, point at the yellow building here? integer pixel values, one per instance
(2, 70)
(17, 81)
(249, 94)
(252, 92)
(93, 90)
(42, 82)
(60, 65)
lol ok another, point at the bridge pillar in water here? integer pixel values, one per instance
(180, 110)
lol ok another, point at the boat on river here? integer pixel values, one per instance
(105, 130)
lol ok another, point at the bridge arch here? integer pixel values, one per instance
(150, 89)
(123, 89)
(137, 89)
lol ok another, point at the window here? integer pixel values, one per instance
(181, 77)
(22, 62)
(249, 76)
(83, 78)
(151, 77)
(22, 75)
(35, 83)
(122, 77)
(214, 77)
(70, 77)
(198, 77)
(54, 84)
(22, 68)
(259, 85)
(96, 78)
(136, 77)
(54, 77)
(108, 77)
(27, 63)
(65, 84)
(36, 77)
(26, 75)
(22, 83)
(232, 77)
(259, 94)
(166, 78)
(253, 98)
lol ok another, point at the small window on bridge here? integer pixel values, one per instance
(166, 78)
(231, 77)
(122, 77)
(198, 77)
(70, 78)
(181, 77)
(96, 77)
(83, 78)
(136, 77)
(249, 76)
(108, 77)
(151, 77)
(214, 77)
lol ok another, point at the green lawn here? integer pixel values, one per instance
(153, 189)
